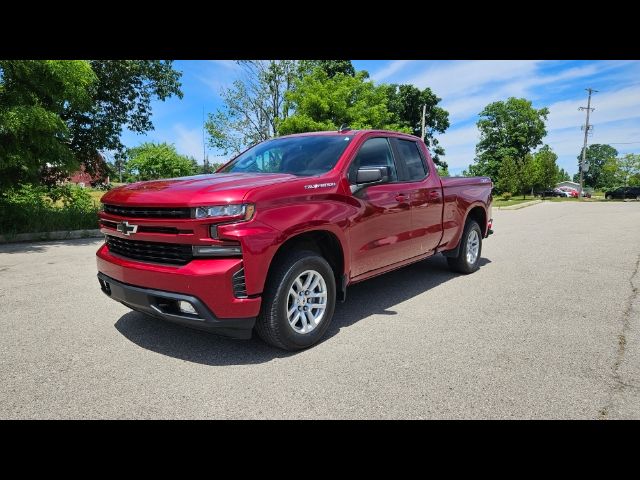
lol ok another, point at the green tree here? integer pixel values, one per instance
(511, 128)
(611, 175)
(544, 168)
(34, 98)
(60, 113)
(507, 176)
(563, 176)
(405, 102)
(151, 161)
(331, 67)
(629, 167)
(254, 106)
(121, 97)
(321, 102)
(597, 155)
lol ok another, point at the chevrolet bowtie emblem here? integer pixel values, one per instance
(127, 229)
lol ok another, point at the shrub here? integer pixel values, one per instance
(32, 209)
(506, 196)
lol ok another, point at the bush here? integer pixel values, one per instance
(506, 196)
(31, 209)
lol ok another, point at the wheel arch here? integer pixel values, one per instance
(326, 244)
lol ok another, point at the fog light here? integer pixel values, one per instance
(186, 307)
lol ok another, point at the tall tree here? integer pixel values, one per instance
(597, 155)
(69, 110)
(629, 166)
(406, 103)
(563, 176)
(321, 102)
(151, 161)
(35, 96)
(511, 128)
(544, 168)
(254, 106)
(121, 97)
(330, 67)
(507, 180)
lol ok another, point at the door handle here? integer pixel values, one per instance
(401, 197)
(434, 195)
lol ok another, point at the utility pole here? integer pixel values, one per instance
(587, 127)
(424, 114)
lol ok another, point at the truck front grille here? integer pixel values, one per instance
(173, 253)
(148, 212)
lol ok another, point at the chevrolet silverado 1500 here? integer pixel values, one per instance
(273, 239)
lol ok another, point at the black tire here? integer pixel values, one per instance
(272, 324)
(460, 263)
(608, 197)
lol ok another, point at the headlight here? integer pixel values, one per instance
(226, 212)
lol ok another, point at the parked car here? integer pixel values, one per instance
(550, 192)
(561, 193)
(570, 192)
(275, 236)
(623, 192)
(586, 194)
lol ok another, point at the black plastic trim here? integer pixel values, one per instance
(153, 302)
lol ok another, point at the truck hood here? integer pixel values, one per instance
(193, 191)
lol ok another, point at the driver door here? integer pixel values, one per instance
(380, 232)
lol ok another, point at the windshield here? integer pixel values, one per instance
(302, 156)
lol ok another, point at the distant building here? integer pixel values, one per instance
(83, 178)
(574, 185)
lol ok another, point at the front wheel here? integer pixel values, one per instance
(468, 259)
(298, 302)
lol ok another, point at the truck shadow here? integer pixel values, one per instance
(377, 296)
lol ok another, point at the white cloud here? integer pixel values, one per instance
(609, 106)
(467, 77)
(389, 70)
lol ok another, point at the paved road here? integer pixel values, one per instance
(547, 328)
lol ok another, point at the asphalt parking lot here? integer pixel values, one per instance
(547, 328)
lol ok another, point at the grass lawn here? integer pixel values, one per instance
(96, 195)
(501, 202)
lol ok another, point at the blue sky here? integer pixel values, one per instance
(465, 88)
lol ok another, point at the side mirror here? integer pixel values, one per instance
(372, 175)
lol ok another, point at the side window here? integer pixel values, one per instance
(375, 152)
(409, 154)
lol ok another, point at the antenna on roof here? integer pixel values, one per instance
(344, 128)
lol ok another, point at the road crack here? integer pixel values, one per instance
(619, 384)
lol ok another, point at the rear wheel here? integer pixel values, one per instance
(298, 303)
(608, 197)
(468, 259)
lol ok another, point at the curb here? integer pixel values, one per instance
(59, 235)
(518, 206)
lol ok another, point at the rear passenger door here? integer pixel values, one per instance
(425, 192)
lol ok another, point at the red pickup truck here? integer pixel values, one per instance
(273, 238)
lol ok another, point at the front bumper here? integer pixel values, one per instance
(162, 304)
(209, 280)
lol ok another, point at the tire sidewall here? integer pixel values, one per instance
(292, 338)
(471, 267)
